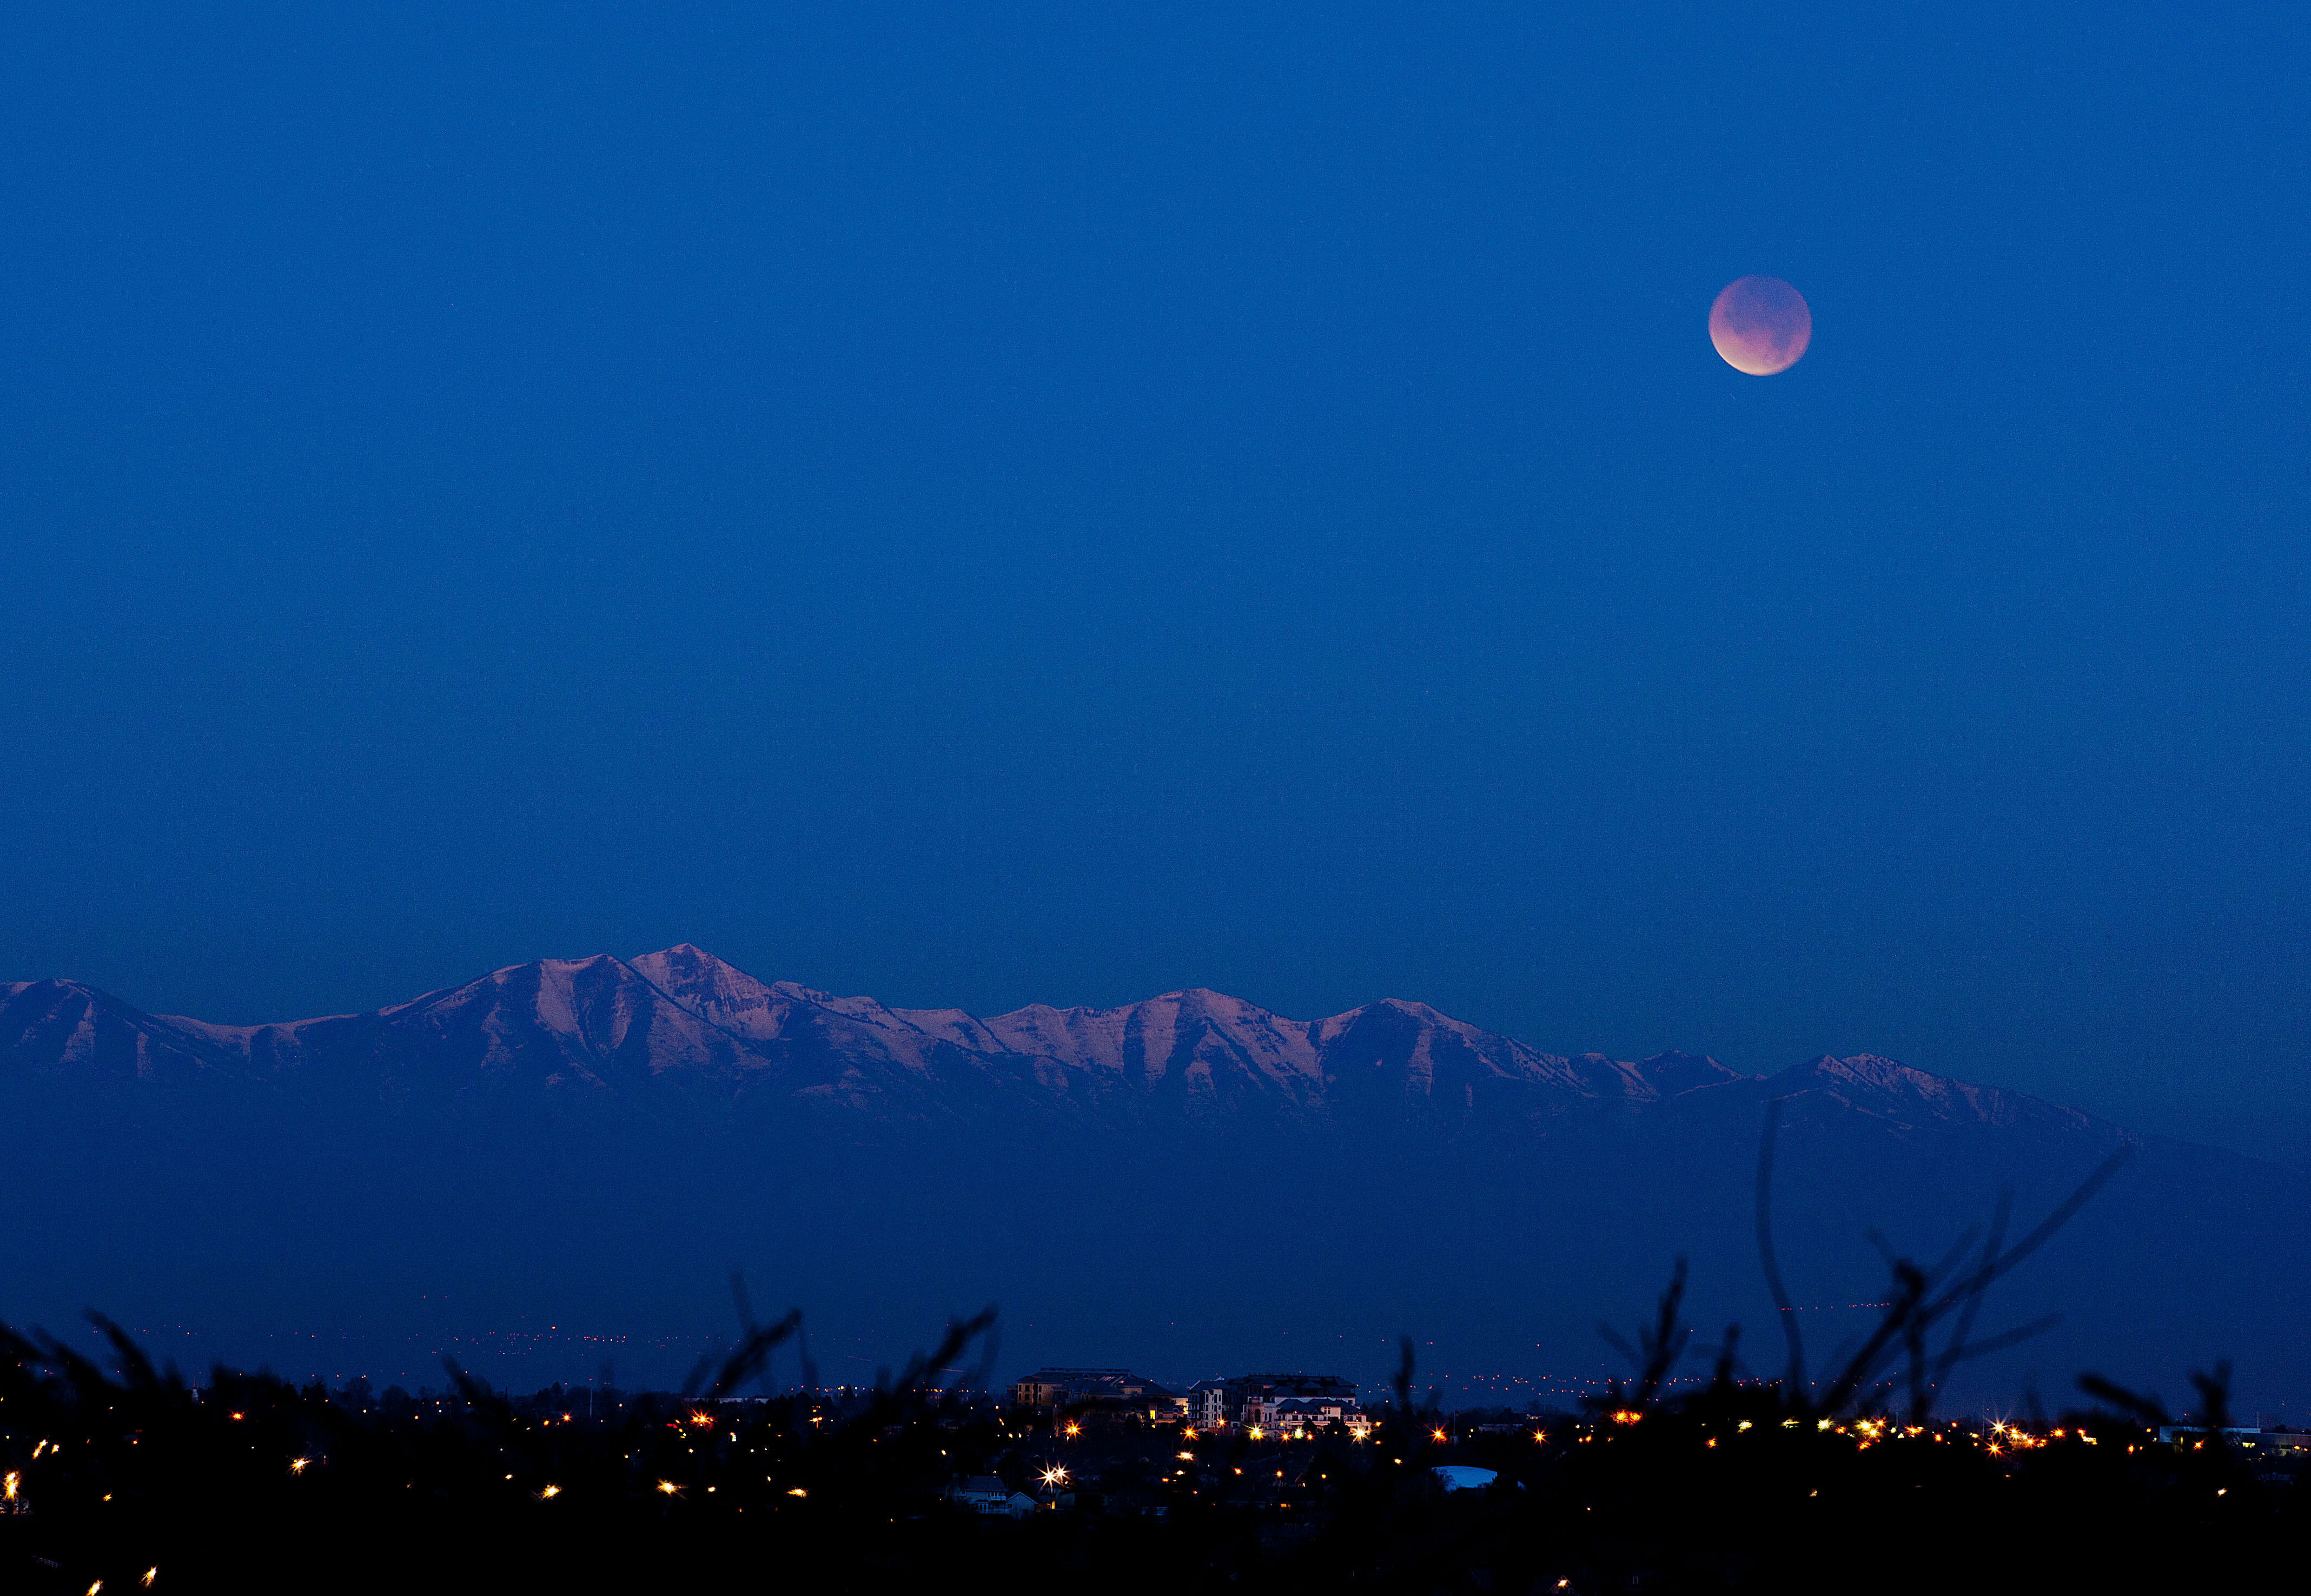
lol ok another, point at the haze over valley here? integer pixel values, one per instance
(1183, 1182)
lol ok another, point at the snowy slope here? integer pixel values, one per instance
(680, 1032)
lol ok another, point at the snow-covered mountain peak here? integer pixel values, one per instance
(1907, 1097)
(719, 992)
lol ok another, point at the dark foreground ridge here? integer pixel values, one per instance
(252, 1485)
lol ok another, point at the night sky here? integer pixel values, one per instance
(989, 505)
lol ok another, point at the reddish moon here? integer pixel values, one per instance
(1760, 324)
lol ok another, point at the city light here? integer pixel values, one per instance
(299, 1465)
(666, 1487)
(550, 1492)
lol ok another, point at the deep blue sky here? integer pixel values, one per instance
(989, 505)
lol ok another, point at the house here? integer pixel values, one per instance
(1285, 1416)
(1302, 1416)
(1208, 1404)
(979, 1493)
(1049, 1388)
(1100, 1393)
(1251, 1398)
(2268, 1443)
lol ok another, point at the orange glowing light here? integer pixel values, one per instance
(1626, 1415)
(798, 1491)
(550, 1492)
(299, 1465)
(666, 1487)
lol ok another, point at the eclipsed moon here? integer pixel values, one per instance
(1760, 324)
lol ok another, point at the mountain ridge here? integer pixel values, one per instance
(681, 1023)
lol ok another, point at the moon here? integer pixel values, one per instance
(1760, 324)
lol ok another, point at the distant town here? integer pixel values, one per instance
(1285, 1407)
(1284, 1480)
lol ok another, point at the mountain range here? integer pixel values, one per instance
(1191, 1181)
(682, 1035)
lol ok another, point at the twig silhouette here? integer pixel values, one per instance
(1917, 1306)
(1795, 1380)
(1664, 1343)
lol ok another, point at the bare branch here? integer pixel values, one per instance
(1788, 1313)
(1910, 1284)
